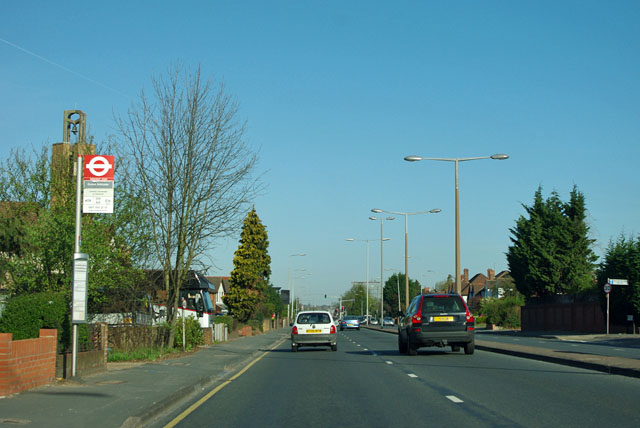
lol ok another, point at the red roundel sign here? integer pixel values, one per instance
(98, 167)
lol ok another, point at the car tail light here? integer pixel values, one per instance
(333, 329)
(470, 319)
(294, 330)
(417, 317)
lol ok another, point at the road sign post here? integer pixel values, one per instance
(607, 292)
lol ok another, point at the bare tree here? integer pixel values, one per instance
(188, 156)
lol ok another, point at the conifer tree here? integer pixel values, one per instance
(552, 252)
(251, 269)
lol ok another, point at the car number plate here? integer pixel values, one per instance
(443, 319)
(314, 331)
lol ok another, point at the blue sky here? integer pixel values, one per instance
(337, 93)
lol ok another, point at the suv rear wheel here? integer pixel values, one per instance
(469, 348)
(402, 342)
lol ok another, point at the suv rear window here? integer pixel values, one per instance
(440, 305)
(314, 318)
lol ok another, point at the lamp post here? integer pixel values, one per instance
(457, 193)
(293, 286)
(406, 246)
(367, 264)
(289, 279)
(381, 262)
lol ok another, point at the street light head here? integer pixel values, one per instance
(435, 210)
(376, 210)
(350, 239)
(386, 239)
(500, 157)
(390, 218)
(413, 158)
(373, 218)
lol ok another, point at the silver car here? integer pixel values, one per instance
(314, 328)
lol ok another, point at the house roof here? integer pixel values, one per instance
(218, 281)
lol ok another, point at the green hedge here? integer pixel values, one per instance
(504, 312)
(193, 333)
(225, 319)
(25, 315)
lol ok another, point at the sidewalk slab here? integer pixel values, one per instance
(132, 396)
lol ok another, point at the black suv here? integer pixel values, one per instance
(436, 320)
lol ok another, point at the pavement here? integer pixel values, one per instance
(129, 395)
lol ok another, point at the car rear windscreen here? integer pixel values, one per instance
(440, 305)
(314, 318)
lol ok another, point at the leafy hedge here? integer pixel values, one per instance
(504, 312)
(193, 333)
(225, 319)
(25, 315)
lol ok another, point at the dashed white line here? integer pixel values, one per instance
(389, 362)
(412, 375)
(454, 399)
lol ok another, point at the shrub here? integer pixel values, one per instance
(26, 314)
(504, 312)
(256, 325)
(225, 319)
(193, 333)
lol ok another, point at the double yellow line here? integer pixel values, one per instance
(218, 388)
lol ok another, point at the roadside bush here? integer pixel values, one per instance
(256, 325)
(225, 319)
(504, 312)
(26, 314)
(193, 333)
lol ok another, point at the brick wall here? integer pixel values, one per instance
(25, 364)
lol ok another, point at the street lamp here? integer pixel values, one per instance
(367, 264)
(406, 246)
(289, 278)
(293, 286)
(381, 263)
(456, 161)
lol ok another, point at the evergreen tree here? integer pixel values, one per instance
(391, 292)
(551, 252)
(251, 269)
(622, 261)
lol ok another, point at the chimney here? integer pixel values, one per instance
(491, 274)
(465, 277)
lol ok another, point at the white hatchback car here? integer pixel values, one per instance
(314, 328)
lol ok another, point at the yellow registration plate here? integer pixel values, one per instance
(314, 331)
(443, 319)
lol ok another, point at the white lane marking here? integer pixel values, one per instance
(454, 399)
(389, 362)
(617, 349)
(412, 375)
(365, 349)
(359, 345)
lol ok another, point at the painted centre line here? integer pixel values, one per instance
(454, 399)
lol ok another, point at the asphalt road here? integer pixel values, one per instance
(367, 383)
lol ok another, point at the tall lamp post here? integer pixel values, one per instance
(381, 263)
(289, 279)
(293, 287)
(456, 161)
(406, 246)
(367, 264)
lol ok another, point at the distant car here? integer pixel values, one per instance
(374, 321)
(350, 321)
(388, 321)
(362, 320)
(436, 320)
(314, 328)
